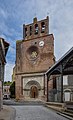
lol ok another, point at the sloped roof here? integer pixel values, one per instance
(60, 61)
(4, 48)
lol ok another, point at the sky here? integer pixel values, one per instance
(15, 13)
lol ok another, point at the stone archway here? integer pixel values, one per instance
(34, 92)
(32, 89)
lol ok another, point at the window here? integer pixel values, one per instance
(25, 32)
(42, 27)
(32, 53)
(65, 80)
(30, 30)
(36, 28)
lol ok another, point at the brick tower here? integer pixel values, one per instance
(34, 56)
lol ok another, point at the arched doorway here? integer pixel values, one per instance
(33, 92)
(32, 89)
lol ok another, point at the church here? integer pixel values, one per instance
(34, 56)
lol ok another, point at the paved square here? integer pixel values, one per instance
(36, 113)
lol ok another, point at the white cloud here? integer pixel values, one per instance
(8, 71)
(16, 12)
(3, 13)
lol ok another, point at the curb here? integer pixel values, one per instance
(64, 115)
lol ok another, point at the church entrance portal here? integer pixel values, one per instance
(34, 92)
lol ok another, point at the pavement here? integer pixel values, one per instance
(34, 112)
(7, 113)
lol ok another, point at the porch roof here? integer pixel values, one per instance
(66, 61)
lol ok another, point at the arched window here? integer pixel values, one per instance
(30, 30)
(42, 27)
(36, 28)
(25, 32)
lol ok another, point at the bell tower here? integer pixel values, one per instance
(34, 56)
(36, 29)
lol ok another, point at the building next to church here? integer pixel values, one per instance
(6, 89)
(34, 56)
(3, 51)
(62, 71)
(6, 92)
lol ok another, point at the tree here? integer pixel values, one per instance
(12, 90)
(7, 83)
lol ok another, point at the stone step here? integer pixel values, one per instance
(59, 109)
(23, 103)
(67, 113)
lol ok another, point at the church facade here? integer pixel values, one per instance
(34, 56)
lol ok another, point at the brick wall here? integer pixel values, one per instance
(44, 59)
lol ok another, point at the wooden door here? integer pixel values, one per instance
(34, 92)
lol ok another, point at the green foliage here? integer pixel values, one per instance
(12, 90)
(7, 83)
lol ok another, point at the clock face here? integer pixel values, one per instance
(41, 43)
